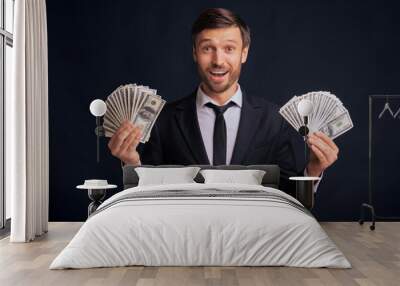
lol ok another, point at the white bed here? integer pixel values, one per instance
(222, 224)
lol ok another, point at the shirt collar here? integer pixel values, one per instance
(202, 98)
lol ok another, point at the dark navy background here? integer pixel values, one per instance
(350, 48)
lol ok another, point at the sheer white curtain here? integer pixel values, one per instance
(27, 172)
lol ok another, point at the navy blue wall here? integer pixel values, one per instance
(350, 48)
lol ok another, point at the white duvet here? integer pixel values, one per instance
(182, 231)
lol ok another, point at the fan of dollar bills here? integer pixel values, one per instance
(139, 104)
(323, 111)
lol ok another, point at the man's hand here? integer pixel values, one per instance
(124, 142)
(324, 153)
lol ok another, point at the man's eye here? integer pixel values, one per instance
(229, 49)
(206, 49)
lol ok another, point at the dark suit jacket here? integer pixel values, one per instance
(263, 137)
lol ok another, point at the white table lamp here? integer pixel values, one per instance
(98, 108)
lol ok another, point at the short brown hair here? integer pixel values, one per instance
(214, 18)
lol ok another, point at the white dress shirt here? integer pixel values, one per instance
(206, 118)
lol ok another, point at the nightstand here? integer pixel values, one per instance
(96, 192)
(304, 190)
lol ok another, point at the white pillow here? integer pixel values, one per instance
(162, 176)
(249, 177)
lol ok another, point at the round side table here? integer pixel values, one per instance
(96, 195)
(304, 190)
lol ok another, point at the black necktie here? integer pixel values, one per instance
(219, 140)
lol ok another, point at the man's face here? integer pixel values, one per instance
(219, 54)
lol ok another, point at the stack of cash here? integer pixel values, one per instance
(139, 104)
(327, 114)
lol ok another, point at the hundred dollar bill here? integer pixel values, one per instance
(147, 115)
(152, 124)
(145, 92)
(337, 126)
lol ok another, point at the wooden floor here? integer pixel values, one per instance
(375, 257)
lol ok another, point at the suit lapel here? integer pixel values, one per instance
(250, 115)
(189, 125)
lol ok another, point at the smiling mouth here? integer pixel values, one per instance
(218, 74)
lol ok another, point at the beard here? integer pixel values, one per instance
(233, 76)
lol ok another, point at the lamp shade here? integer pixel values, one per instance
(98, 107)
(305, 107)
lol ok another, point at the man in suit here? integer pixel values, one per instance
(219, 123)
